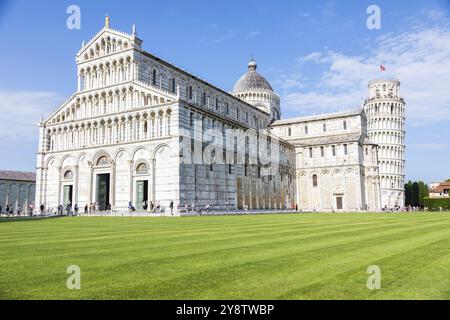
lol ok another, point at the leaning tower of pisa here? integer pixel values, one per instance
(385, 111)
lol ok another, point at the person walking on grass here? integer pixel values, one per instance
(171, 207)
(19, 210)
(42, 207)
(75, 209)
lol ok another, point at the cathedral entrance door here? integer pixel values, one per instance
(67, 195)
(339, 205)
(142, 194)
(103, 181)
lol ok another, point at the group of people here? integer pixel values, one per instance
(152, 207)
(17, 211)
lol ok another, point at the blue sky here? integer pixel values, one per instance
(318, 55)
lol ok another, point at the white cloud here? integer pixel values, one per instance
(419, 58)
(19, 110)
(254, 33)
(429, 146)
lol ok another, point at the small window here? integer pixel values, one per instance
(322, 152)
(289, 131)
(345, 125)
(345, 149)
(333, 149)
(229, 169)
(310, 152)
(314, 180)
(306, 129)
(217, 104)
(324, 127)
(228, 109)
(154, 77)
(204, 98)
(174, 86)
(191, 119)
(190, 92)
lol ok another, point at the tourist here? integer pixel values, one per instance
(158, 208)
(108, 208)
(131, 208)
(171, 207)
(31, 210)
(42, 207)
(207, 207)
(19, 210)
(152, 206)
(1, 210)
(86, 209)
(75, 209)
(68, 207)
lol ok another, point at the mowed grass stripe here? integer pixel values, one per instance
(123, 273)
(285, 259)
(123, 245)
(347, 274)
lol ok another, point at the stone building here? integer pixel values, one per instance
(17, 188)
(336, 164)
(141, 129)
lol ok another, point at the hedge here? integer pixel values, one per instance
(435, 203)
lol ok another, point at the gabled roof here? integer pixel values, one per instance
(99, 35)
(17, 175)
(341, 138)
(327, 116)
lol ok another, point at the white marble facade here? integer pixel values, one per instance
(122, 137)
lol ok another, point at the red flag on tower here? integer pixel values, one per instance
(383, 68)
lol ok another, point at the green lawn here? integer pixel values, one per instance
(302, 256)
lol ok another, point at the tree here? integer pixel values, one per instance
(423, 193)
(415, 194)
(408, 193)
(448, 180)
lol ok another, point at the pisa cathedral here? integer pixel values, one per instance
(122, 137)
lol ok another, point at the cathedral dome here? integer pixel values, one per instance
(252, 81)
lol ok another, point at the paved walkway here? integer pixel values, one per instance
(148, 214)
